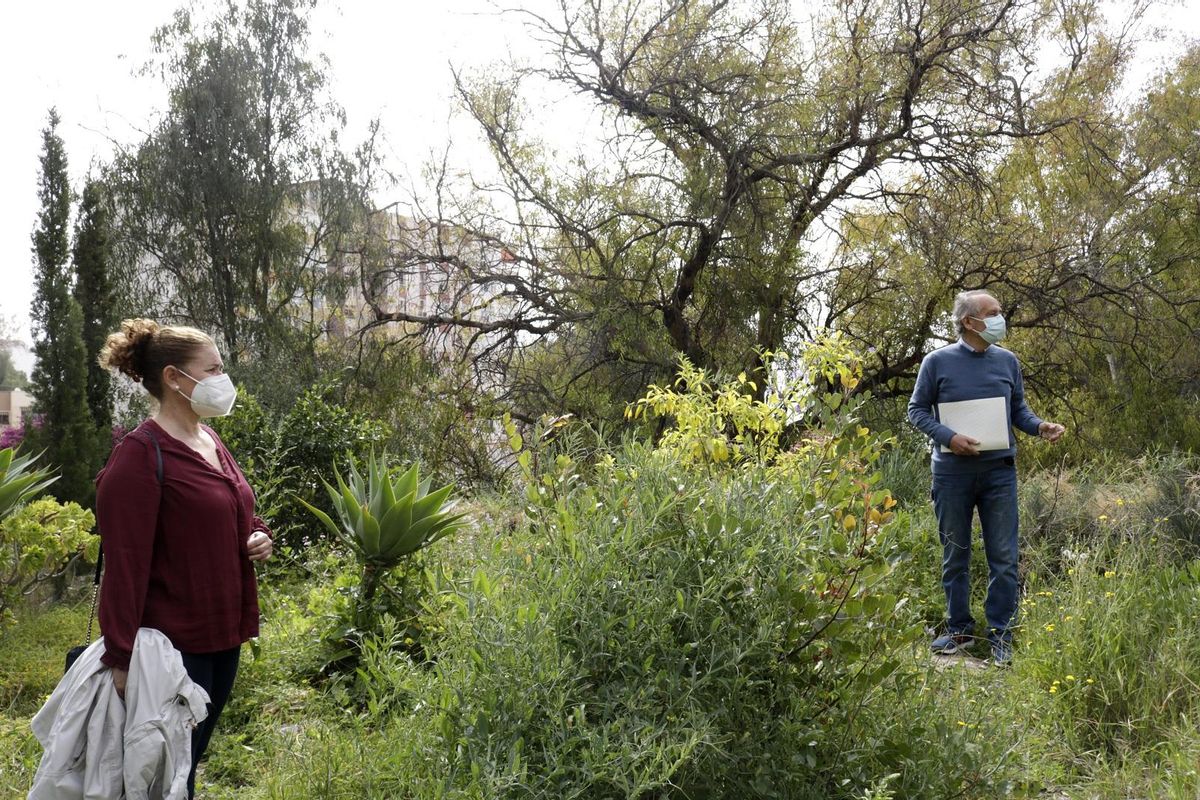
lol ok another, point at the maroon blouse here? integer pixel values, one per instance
(175, 555)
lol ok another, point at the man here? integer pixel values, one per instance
(966, 476)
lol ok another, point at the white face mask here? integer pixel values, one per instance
(994, 328)
(212, 397)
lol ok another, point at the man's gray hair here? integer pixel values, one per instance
(966, 304)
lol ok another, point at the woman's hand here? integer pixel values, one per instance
(119, 677)
(259, 546)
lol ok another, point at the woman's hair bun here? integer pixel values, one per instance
(126, 349)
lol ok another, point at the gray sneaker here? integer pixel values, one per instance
(1002, 652)
(950, 643)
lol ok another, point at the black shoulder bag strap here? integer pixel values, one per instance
(158, 473)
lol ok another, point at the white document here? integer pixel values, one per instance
(985, 419)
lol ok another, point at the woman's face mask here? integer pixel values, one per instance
(213, 397)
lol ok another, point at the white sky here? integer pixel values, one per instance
(386, 58)
(389, 59)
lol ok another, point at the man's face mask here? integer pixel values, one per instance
(995, 328)
(213, 396)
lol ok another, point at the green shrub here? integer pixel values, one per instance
(1120, 421)
(285, 457)
(37, 543)
(669, 636)
(905, 471)
(732, 630)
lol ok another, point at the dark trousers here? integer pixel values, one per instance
(215, 672)
(956, 497)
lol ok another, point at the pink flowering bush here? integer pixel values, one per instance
(11, 436)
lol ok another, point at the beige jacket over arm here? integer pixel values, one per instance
(100, 748)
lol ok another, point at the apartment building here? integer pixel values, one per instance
(15, 406)
(422, 270)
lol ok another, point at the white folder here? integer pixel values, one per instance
(985, 419)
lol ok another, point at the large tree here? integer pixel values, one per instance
(1090, 237)
(93, 292)
(60, 375)
(733, 139)
(229, 213)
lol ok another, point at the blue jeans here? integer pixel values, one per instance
(955, 497)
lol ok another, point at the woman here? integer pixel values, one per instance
(179, 534)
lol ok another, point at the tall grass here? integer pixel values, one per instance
(1112, 652)
(32, 649)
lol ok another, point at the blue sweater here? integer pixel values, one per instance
(958, 372)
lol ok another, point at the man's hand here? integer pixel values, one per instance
(259, 546)
(964, 445)
(119, 678)
(1051, 431)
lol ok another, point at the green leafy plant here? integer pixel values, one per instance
(722, 421)
(19, 481)
(384, 520)
(37, 543)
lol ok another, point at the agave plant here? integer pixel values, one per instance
(384, 519)
(19, 481)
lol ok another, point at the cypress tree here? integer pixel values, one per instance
(93, 292)
(59, 381)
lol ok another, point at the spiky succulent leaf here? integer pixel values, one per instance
(442, 533)
(355, 479)
(343, 487)
(19, 481)
(407, 483)
(395, 522)
(389, 493)
(338, 502)
(323, 517)
(413, 538)
(379, 487)
(430, 503)
(423, 534)
(385, 520)
(369, 539)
